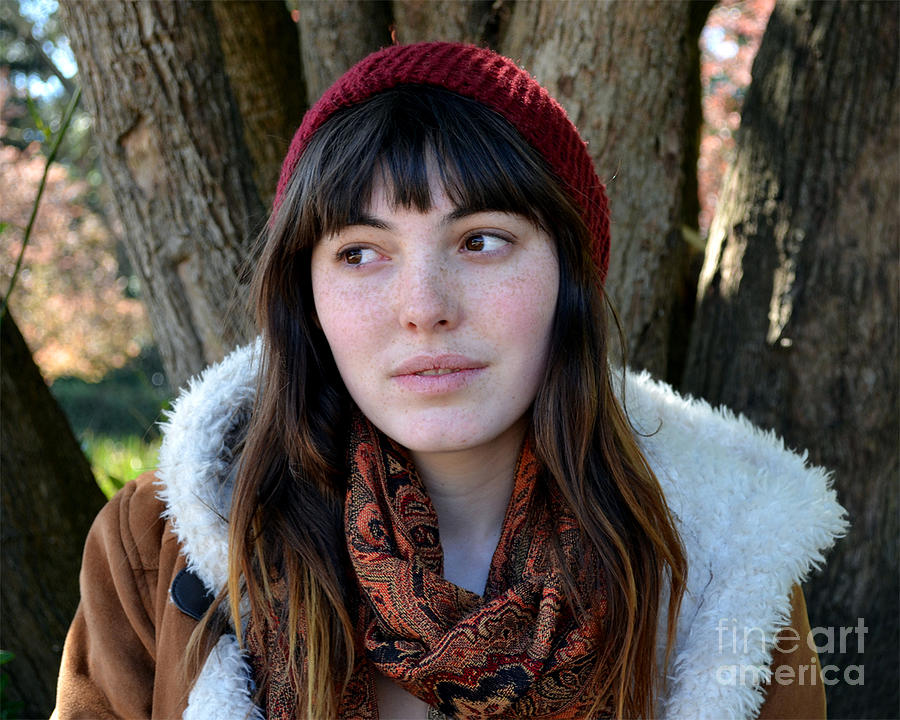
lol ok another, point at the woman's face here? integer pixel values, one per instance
(439, 322)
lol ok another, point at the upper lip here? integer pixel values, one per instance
(450, 361)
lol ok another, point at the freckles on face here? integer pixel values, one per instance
(439, 322)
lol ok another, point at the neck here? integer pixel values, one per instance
(470, 489)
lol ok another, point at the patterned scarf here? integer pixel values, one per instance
(516, 651)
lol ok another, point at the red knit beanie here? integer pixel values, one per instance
(491, 79)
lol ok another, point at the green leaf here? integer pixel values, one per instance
(36, 117)
(6, 656)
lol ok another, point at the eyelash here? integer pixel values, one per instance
(342, 256)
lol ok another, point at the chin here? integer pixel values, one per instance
(425, 437)
(442, 430)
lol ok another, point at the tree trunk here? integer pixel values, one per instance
(48, 499)
(628, 75)
(798, 306)
(261, 50)
(422, 20)
(336, 34)
(171, 144)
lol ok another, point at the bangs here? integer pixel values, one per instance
(402, 136)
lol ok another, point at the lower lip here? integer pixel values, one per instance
(438, 384)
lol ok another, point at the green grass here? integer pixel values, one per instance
(115, 461)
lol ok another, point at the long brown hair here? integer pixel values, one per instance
(286, 522)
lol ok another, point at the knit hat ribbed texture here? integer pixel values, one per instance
(491, 79)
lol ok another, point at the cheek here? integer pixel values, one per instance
(353, 322)
(334, 310)
(340, 321)
(526, 309)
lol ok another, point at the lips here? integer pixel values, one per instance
(437, 375)
(436, 366)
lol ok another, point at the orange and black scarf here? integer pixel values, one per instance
(516, 651)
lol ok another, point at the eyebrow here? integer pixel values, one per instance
(372, 221)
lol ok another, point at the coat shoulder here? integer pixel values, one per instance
(132, 523)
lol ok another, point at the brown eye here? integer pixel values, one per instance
(358, 256)
(484, 243)
(475, 243)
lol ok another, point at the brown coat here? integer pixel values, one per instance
(122, 657)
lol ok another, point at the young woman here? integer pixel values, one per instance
(420, 493)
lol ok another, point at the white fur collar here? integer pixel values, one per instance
(753, 516)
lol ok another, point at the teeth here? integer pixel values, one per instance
(438, 371)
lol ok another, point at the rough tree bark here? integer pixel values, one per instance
(798, 304)
(48, 499)
(472, 22)
(334, 35)
(628, 75)
(261, 49)
(172, 148)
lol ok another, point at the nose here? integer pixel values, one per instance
(427, 298)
